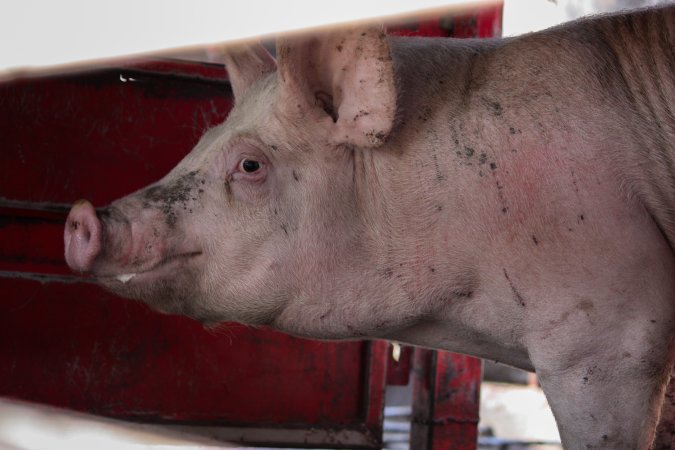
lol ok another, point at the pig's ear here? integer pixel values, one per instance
(344, 80)
(246, 64)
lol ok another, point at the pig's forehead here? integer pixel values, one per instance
(247, 117)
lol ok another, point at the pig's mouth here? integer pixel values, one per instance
(161, 269)
(142, 268)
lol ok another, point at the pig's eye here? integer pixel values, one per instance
(249, 165)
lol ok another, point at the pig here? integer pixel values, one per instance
(509, 199)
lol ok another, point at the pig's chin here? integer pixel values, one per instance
(169, 286)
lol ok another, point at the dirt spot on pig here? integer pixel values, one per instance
(590, 373)
(177, 194)
(493, 106)
(501, 196)
(516, 294)
(360, 114)
(425, 114)
(376, 137)
(563, 319)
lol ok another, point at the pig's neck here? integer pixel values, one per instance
(431, 267)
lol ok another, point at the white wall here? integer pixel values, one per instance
(522, 16)
(50, 32)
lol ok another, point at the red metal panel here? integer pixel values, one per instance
(99, 137)
(120, 359)
(70, 344)
(446, 395)
(32, 240)
(483, 23)
(486, 24)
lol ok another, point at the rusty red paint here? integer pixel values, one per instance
(446, 400)
(119, 359)
(96, 136)
(374, 397)
(483, 23)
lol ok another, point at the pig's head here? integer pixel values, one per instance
(266, 209)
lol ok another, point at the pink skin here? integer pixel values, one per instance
(82, 236)
(465, 196)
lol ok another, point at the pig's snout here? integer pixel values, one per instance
(82, 236)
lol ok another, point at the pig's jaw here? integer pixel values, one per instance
(161, 270)
(170, 286)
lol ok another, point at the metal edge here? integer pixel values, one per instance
(374, 395)
(304, 437)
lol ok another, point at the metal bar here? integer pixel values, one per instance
(446, 395)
